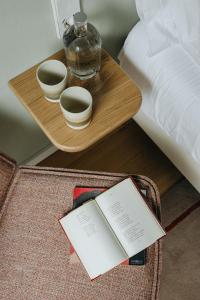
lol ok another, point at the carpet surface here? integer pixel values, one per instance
(180, 278)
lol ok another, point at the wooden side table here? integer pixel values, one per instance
(116, 100)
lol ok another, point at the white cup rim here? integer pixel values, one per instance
(77, 114)
(46, 62)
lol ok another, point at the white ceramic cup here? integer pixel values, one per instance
(52, 78)
(76, 105)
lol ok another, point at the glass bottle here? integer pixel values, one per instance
(82, 44)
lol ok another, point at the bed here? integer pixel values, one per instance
(168, 74)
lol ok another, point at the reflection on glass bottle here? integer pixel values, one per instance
(82, 44)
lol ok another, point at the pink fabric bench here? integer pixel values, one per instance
(34, 254)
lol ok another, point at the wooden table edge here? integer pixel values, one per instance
(79, 148)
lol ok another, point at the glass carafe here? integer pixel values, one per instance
(82, 44)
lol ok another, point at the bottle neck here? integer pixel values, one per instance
(80, 29)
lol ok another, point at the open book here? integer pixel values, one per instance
(109, 229)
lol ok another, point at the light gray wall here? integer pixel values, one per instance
(113, 19)
(27, 36)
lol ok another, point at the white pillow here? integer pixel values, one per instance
(153, 16)
(185, 14)
(147, 9)
(161, 34)
(168, 22)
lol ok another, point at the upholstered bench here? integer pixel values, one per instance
(34, 254)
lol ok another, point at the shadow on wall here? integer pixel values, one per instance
(113, 19)
(15, 142)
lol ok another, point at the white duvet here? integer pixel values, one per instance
(170, 85)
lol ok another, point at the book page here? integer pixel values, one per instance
(93, 240)
(129, 216)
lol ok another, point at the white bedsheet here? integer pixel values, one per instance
(170, 85)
